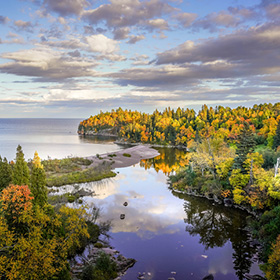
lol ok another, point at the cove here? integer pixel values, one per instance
(170, 233)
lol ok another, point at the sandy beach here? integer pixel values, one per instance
(121, 158)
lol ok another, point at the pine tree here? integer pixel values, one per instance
(38, 182)
(5, 173)
(245, 145)
(276, 139)
(20, 170)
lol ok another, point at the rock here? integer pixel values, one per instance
(228, 202)
(253, 277)
(171, 278)
(208, 277)
(122, 216)
(125, 204)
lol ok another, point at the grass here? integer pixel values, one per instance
(83, 176)
(74, 170)
(65, 165)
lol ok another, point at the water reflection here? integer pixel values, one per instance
(216, 225)
(169, 160)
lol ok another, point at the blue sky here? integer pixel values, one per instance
(73, 58)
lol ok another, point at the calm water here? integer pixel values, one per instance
(55, 138)
(165, 232)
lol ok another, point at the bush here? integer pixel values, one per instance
(126, 155)
(104, 269)
(98, 245)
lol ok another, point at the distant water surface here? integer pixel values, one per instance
(55, 138)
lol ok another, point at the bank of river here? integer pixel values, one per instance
(165, 232)
(172, 235)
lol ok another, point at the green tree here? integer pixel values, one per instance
(5, 173)
(20, 170)
(276, 139)
(38, 182)
(245, 144)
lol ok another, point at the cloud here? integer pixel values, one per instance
(256, 47)
(134, 39)
(126, 13)
(102, 44)
(24, 25)
(66, 7)
(158, 23)
(4, 20)
(121, 33)
(245, 54)
(215, 20)
(186, 19)
(46, 64)
(272, 8)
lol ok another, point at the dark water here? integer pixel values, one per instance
(164, 231)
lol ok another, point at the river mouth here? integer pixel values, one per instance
(169, 234)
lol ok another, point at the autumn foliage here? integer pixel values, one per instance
(183, 126)
(16, 202)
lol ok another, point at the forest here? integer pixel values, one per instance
(39, 240)
(233, 156)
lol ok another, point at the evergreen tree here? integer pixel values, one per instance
(5, 173)
(20, 170)
(38, 182)
(245, 145)
(276, 139)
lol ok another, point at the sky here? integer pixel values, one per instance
(73, 58)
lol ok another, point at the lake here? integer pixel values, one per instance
(165, 232)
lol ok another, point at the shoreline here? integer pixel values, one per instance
(125, 157)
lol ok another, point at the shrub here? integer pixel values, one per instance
(126, 155)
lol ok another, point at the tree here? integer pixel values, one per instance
(5, 173)
(16, 203)
(273, 266)
(38, 182)
(20, 170)
(276, 139)
(245, 145)
(39, 248)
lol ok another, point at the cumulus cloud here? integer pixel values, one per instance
(126, 13)
(47, 65)
(134, 39)
(158, 23)
(215, 20)
(102, 44)
(242, 55)
(66, 7)
(258, 46)
(121, 33)
(186, 19)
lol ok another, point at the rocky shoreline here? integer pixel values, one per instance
(122, 263)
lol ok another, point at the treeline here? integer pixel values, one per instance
(37, 239)
(242, 172)
(184, 126)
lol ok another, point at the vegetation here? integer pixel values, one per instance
(36, 239)
(74, 170)
(103, 269)
(87, 175)
(182, 127)
(126, 155)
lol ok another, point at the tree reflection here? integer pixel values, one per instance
(217, 225)
(168, 161)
